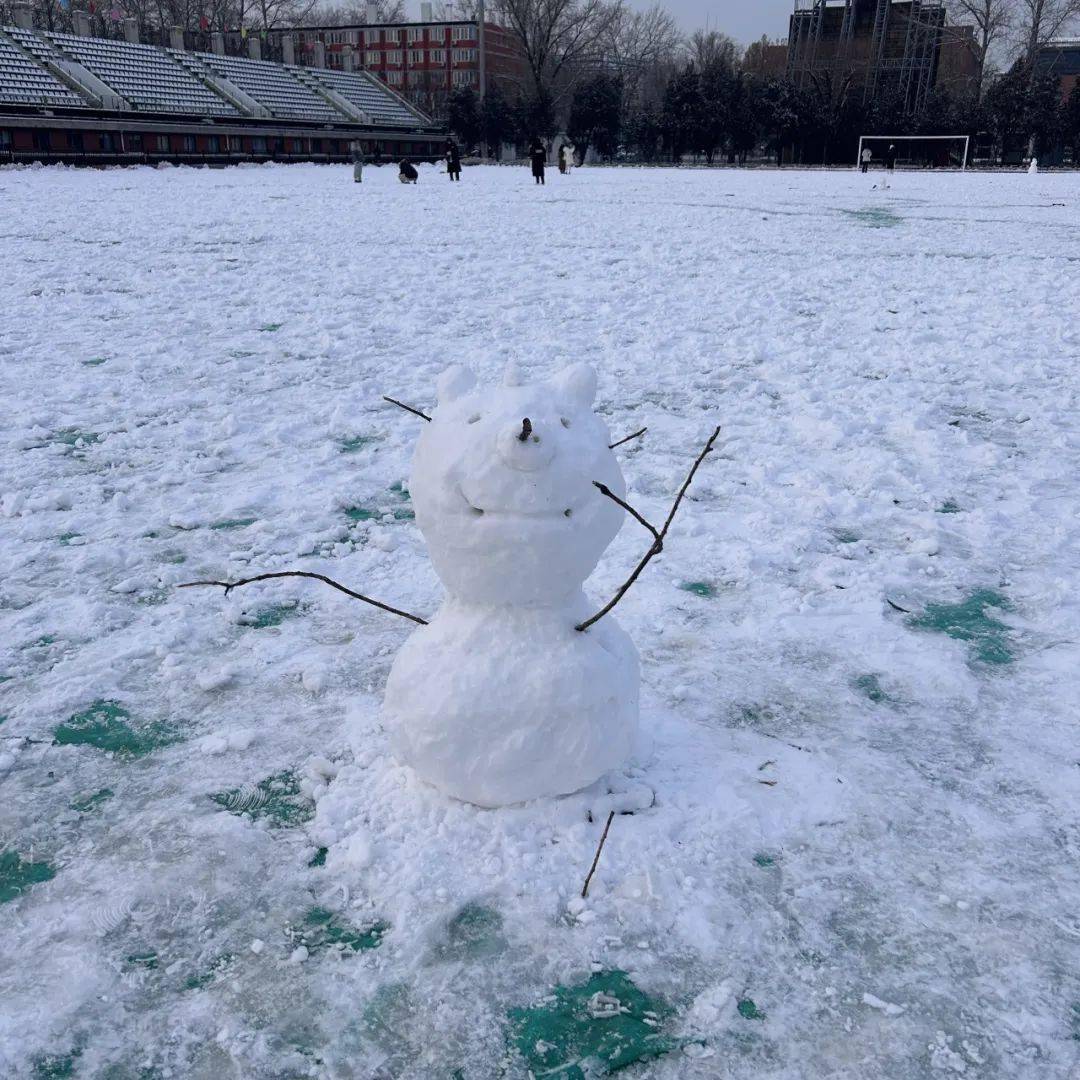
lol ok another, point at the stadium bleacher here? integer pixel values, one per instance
(368, 95)
(273, 87)
(143, 75)
(24, 82)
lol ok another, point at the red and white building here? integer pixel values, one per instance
(422, 61)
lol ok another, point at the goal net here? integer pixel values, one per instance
(916, 151)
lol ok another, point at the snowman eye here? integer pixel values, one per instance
(474, 418)
(564, 421)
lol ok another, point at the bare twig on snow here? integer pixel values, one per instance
(596, 857)
(636, 435)
(228, 586)
(407, 408)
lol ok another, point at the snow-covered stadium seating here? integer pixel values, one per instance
(368, 95)
(24, 82)
(273, 87)
(143, 75)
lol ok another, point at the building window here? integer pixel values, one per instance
(213, 144)
(394, 56)
(5, 139)
(393, 78)
(461, 33)
(108, 142)
(163, 144)
(392, 35)
(187, 144)
(75, 141)
(464, 78)
(42, 141)
(414, 33)
(416, 56)
(437, 56)
(134, 141)
(464, 56)
(373, 59)
(258, 144)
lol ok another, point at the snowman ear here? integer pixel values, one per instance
(577, 385)
(453, 383)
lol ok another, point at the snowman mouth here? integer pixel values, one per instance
(520, 515)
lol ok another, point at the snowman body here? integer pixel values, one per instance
(499, 699)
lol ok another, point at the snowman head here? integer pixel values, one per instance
(502, 484)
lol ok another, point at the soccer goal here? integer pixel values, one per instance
(921, 151)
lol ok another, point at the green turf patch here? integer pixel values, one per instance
(144, 960)
(17, 875)
(399, 508)
(322, 929)
(845, 536)
(354, 443)
(87, 804)
(698, 588)
(748, 1010)
(55, 1066)
(104, 726)
(66, 538)
(270, 328)
(75, 437)
(972, 621)
(6, 678)
(218, 968)
(95, 361)
(319, 858)
(274, 615)
(874, 217)
(593, 1029)
(40, 643)
(277, 799)
(869, 686)
(233, 523)
(764, 861)
(475, 931)
(949, 507)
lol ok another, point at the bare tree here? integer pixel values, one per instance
(992, 19)
(559, 39)
(711, 49)
(637, 44)
(1039, 21)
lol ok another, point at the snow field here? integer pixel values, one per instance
(853, 851)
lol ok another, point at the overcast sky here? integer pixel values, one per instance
(744, 20)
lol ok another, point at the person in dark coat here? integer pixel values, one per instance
(538, 157)
(890, 157)
(407, 173)
(453, 160)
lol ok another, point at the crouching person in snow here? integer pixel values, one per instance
(407, 173)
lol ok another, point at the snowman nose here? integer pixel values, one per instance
(524, 448)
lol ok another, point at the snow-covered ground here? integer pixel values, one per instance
(861, 854)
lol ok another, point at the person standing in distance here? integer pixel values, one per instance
(538, 157)
(866, 156)
(890, 157)
(357, 161)
(453, 160)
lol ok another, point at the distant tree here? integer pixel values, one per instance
(991, 19)
(779, 115)
(716, 91)
(1038, 21)
(682, 111)
(745, 115)
(1070, 122)
(496, 119)
(1025, 107)
(643, 130)
(595, 115)
(463, 115)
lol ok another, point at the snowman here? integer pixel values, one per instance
(500, 698)
(515, 690)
